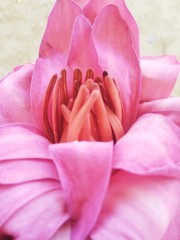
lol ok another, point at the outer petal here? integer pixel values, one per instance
(34, 219)
(19, 194)
(84, 169)
(94, 7)
(18, 140)
(159, 77)
(59, 27)
(138, 208)
(150, 147)
(24, 155)
(30, 195)
(116, 56)
(44, 69)
(169, 107)
(82, 51)
(15, 96)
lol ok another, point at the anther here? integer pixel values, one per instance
(89, 74)
(63, 88)
(77, 82)
(48, 94)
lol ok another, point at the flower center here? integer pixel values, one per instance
(93, 112)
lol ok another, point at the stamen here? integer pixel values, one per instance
(48, 94)
(66, 113)
(102, 120)
(113, 95)
(94, 126)
(76, 125)
(80, 100)
(63, 88)
(92, 113)
(89, 83)
(77, 82)
(105, 74)
(115, 124)
(55, 112)
(85, 133)
(89, 74)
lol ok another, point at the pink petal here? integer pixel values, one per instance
(84, 169)
(173, 229)
(39, 218)
(150, 147)
(59, 27)
(84, 56)
(81, 3)
(116, 56)
(138, 208)
(64, 232)
(15, 97)
(44, 69)
(30, 195)
(169, 107)
(13, 197)
(17, 171)
(22, 141)
(159, 77)
(94, 7)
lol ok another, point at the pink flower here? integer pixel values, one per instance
(97, 159)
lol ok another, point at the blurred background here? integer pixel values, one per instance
(22, 23)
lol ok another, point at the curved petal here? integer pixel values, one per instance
(173, 229)
(94, 7)
(64, 232)
(30, 191)
(159, 76)
(22, 141)
(17, 171)
(44, 69)
(138, 207)
(15, 96)
(169, 107)
(24, 155)
(150, 147)
(59, 27)
(82, 52)
(84, 169)
(34, 219)
(116, 56)
(20, 194)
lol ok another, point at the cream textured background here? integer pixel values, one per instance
(22, 23)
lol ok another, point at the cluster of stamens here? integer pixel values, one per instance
(93, 112)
